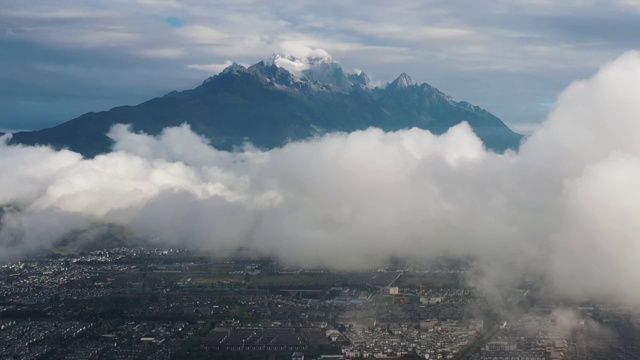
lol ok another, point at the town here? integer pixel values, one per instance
(175, 304)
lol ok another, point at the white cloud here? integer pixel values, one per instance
(155, 4)
(564, 207)
(162, 53)
(525, 128)
(301, 49)
(202, 35)
(411, 32)
(69, 14)
(210, 68)
(544, 192)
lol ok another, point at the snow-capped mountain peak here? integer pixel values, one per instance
(270, 106)
(234, 68)
(403, 81)
(362, 80)
(296, 65)
(320, 68)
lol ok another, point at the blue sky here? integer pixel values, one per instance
(61, 59)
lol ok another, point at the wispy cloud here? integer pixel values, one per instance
(203, 35)
(210, 68)
(163, 53)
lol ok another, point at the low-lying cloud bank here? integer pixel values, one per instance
(565, 207)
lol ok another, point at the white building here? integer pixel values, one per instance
(390, 290)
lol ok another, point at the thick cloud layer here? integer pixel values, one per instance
(564, 207)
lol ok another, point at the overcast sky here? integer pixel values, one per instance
(64, 58)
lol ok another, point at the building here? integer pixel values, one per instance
(390, 290)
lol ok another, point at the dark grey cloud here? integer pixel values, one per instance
(614, 29)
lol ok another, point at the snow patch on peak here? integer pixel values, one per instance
(299, 50)
(296, 65)
(362, 80)
(320, 67)
(403, 81)
(234, 68)
(290, 63)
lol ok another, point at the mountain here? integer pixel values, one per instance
(279, 100)
(321, 69)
